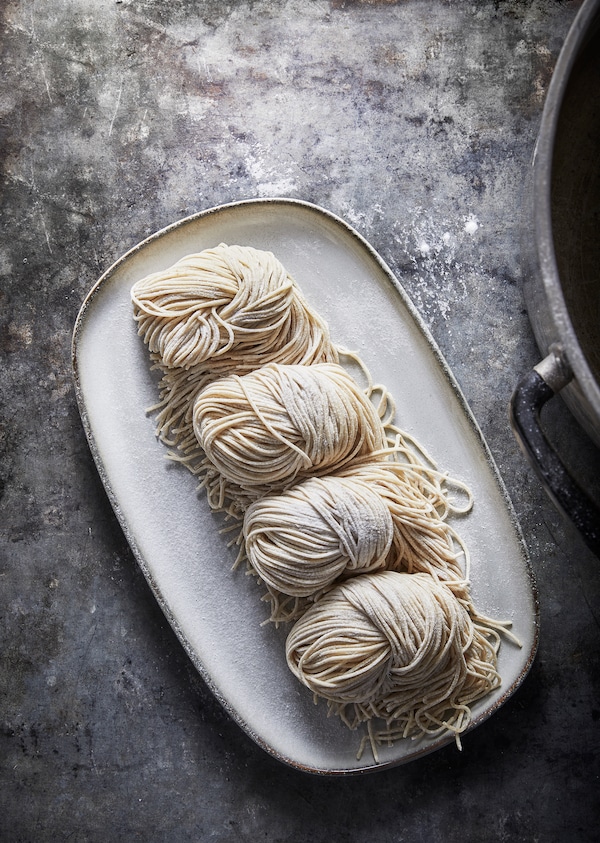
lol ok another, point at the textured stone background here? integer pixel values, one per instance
(415, 121)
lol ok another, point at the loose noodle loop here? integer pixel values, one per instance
(418, 501)
(394, 646)
(279, 423)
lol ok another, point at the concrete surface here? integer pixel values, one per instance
(415, 121)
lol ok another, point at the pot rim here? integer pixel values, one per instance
(542, 209)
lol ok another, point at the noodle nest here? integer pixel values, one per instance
(267, 428)
(301, 541)
(394, 646)
(225, 302)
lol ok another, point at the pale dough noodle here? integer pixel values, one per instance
(267, 428)
(301, 541)
(396, 647)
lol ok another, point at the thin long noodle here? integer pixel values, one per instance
(418, 501)
(301, 541)
(395, 647)
(223, 302)
(264, 430)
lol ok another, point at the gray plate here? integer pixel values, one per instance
(216, 612)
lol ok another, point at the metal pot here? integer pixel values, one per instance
(561, 262)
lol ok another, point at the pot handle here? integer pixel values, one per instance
(533, 391)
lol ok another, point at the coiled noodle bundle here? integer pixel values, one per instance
(394, 646)
(224, 300)
(267, 428)
(301, 541)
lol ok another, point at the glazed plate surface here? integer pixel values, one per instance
(216, 612)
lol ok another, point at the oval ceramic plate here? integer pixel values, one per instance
(216, 612)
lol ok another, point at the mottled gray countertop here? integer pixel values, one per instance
(415, 121)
